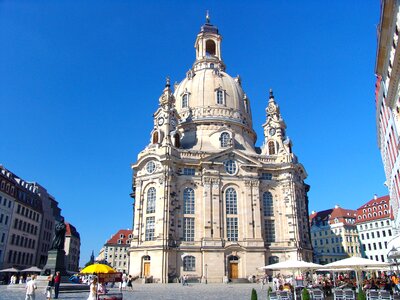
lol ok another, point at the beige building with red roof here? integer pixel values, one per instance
(116, 250)
(72, 247)
(334, 234)
(375, 223)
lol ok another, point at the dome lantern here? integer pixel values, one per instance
(208, 47)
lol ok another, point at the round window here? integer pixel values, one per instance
(150, 167)
(230, 167)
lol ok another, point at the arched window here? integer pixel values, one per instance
(268, 205)
(177, 140)
(188, 201)
(151, 200)
(210, 48)
(189, 263)
(231, 201)
(271, 148)
(155, 137)
(225, 139)
(185, 100)
(220, 97)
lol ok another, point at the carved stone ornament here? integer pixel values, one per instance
(271, 108)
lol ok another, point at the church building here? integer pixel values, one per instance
(209, 204)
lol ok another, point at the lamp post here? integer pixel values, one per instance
(394, 255)
(206, 271)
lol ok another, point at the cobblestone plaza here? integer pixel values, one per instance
(159, 291)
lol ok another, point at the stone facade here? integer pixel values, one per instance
(375, 228)
(208, 203)
(115, 250)
(334, 235)
(72, 247)
(387, 103)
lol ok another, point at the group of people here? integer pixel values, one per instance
(53, 283)
(126, 282)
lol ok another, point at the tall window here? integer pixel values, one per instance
(271, 148)
(225, 139)
(188, 201)
(268, 204)
(269, 230)
(232, 229)
(149, 228)
(185, 100)
(220, 97)
(151, 200)
(188, 229)
(189, 263)
(231, 201)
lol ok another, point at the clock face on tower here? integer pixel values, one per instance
(160, 121)
(272, 131)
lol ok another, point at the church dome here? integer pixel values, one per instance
(208, 96)
(211, 94)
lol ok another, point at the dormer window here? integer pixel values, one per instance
(185, 100)
(220, 96)
(225, 139)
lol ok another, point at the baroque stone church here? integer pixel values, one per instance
(209, 203)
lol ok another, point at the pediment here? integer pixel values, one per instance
(236, 155)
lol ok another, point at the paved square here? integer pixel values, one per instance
(160, 291)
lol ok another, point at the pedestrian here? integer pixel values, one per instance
(124, 282)
(129, 284)
(57, 281)
(101, 288)
(30, 288)
(50, 286)
(93, 290)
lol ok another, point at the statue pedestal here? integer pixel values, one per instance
(55, 262)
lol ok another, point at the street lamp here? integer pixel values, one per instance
(394, 255)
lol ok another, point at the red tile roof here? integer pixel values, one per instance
(122, 235)
(70, 230)
(330, 215)
(375, 209)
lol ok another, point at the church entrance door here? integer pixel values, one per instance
(146, 269)
(234, 270)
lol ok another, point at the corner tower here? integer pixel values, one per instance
(208, 203)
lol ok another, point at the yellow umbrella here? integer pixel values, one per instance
(97, 268)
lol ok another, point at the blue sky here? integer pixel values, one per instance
(80, 80)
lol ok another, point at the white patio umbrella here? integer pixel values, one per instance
(32, 269)
(9, 270)
(357, 264)
(293, 265)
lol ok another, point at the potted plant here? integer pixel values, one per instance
(253, 294)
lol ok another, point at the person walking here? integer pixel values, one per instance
(93, 290)
(30, 288)
(129, 284)
(57, 281)
(50, 286)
